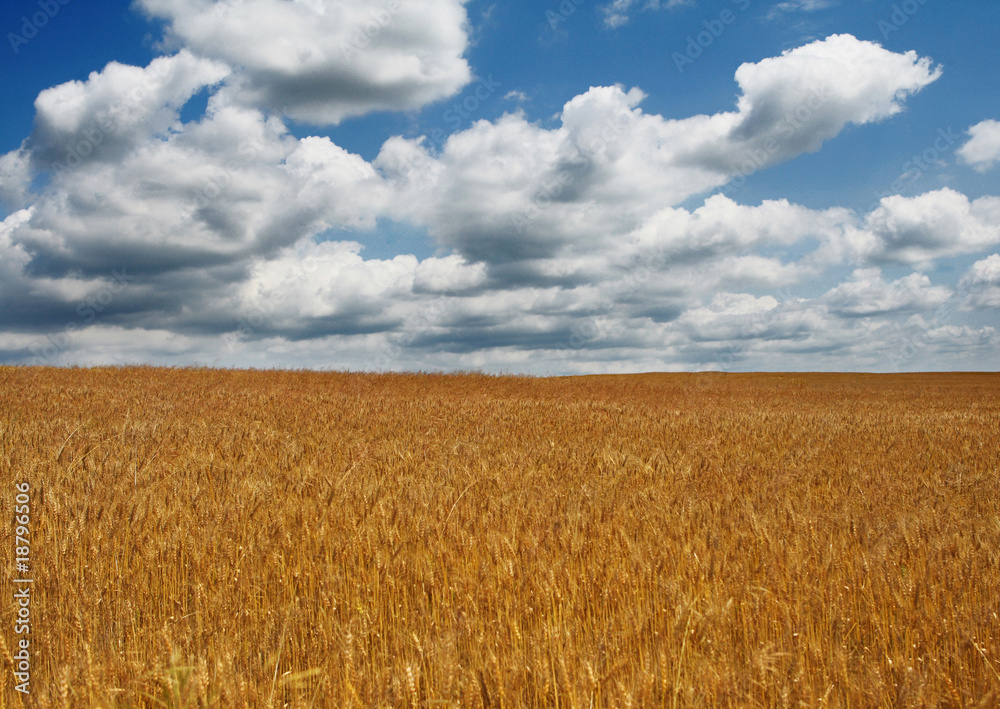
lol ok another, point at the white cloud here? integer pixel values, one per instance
(310, 289)
(618, 12)
(867, 294)
(15, 256)
(982, 151)
(736, 317)
(535, 205)
(15, 178)
(986, 271)
(321, 61)
(103, 117)
(511, 192)
(216, 191)
(799, 6)
(981, 284)
(560, 248)
(723, 227)
(919, 230)
(809, 94)
(451, 274)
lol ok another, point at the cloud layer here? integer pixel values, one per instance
(136, 235)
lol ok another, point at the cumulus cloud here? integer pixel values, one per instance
(102, 120)
(982, 151)
(320, 61)
(806, 96)
(537, 206)
(184, 210)
(15, 257)
(981, 284)
(15, 178)
(514, 194)
(212, 192)
(312, 290)
(103, 117)
(868, 294)
(986, 271)
(451, 274)
(566, 248)
(722, 227)
(919, 230)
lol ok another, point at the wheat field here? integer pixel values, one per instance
(235, 538)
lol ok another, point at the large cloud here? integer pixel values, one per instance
(313, 290)
(219, 190)
(322, 60)
(867, 294)
(792, 103)
(226, 238)
(511, 191)
(183, 210)
(103, 117)
(918, 230)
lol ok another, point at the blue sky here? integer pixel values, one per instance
(584, 186)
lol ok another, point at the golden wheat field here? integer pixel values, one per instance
(207, 538)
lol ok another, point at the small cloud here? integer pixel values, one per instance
(617, 13)
(518, 96)
(799, 6)
(615, 20)
(983, 149)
